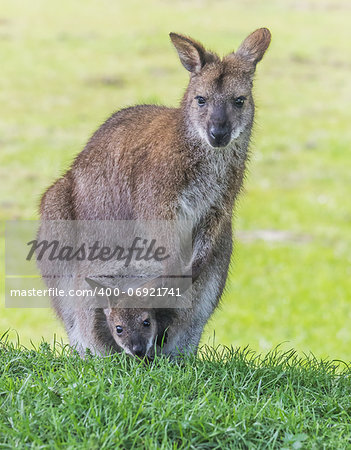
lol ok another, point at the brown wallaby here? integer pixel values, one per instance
(152, 162)
(134, 330)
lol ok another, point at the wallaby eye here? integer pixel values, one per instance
(119, 329)
(200, 100)
(239, 101)
(146, 323)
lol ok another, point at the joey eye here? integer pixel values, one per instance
(146, 323)
(239, 101)
(119, 329)
(200, 100)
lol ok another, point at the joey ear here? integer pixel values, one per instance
(98, 286)
(254, 46)
(108, 311)
(94, 284)
(191, 53)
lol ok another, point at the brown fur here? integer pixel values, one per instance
(136, 338)
(151, 162)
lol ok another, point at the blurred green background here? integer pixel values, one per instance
(67, 65)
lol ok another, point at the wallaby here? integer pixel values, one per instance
(134, 330)
(152, 162)
(117, 329)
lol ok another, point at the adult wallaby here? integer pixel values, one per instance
(152, 162)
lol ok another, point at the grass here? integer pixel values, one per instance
(228, 398)
(66, 65)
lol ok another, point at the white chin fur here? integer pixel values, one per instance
(149, 345)
(235, 134)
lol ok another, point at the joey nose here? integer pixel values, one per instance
(138, 350)
(219, 136)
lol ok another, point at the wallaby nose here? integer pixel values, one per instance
(219, 135)
(138, 350)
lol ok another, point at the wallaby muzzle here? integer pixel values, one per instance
(219, 128)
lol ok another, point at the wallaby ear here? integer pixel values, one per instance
(255, 45)
(94, 284)
(191, 53)
(98, 286)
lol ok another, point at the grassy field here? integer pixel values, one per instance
(227, 399)
(67, 65)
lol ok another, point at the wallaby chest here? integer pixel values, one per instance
(210, 186)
